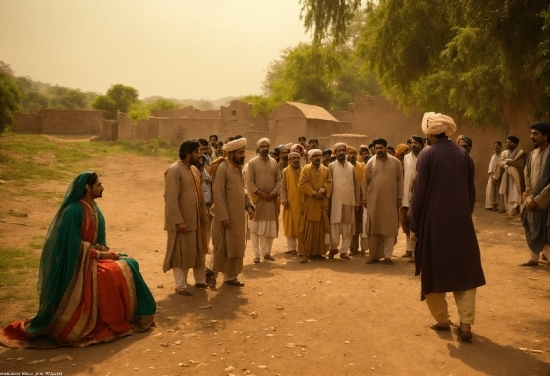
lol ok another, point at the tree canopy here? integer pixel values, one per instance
(469, 58)
(10, 97)
(118, 98)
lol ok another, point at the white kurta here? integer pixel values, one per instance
(491, 194)
(409, 167)
(343, 195)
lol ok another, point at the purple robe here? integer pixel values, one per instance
(447, 253)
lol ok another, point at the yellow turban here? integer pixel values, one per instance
(351, 149)
(293, 154)
(433, 123)
(400, 149)
(313, 152)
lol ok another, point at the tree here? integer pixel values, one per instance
(34, 101)
(10, 96)
(118, 98)
(65, 98)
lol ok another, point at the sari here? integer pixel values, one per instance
(83, 299)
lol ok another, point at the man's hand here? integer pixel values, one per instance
(265, 196)
(531, 204)
(251, 212)
(285, 204)
(414, 237)
(323, 191)
(226, 224)
(182, 227)
(318, 196)
(273, 194)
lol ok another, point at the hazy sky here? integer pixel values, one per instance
(174, 48)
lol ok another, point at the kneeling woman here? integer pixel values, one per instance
(88, 294)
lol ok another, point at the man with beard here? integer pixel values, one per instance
(264, 181)
(464, 142)
(313, 144)
(364, 155)
(316, 185)
(537, 195)
(359, 174)
(185, 219)
(510, 171)
(382, 192)
(327, 154)
(302, 141)
(283, 156)
(447, 253)
(409, 166)
(344, 202)
(291, 198)
(204, 149)
(231, 204)
(494, 201)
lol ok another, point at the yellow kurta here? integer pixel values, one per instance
(314, 222)
(291, 194)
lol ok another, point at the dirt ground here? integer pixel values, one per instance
(325, 317)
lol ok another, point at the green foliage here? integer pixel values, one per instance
(140, 109)
(118, 98)
(65, 98)
(10, 97)
(34, 101)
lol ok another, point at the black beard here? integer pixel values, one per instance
(316, 162)
(342, 157)
(380, 154)
(509, 147)
(265, 152)
(238, 161)
(296, 165)
(414, 149)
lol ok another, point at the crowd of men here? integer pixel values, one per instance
(340, 202)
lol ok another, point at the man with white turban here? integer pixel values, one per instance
(316, 186)
(344, 202)
(231, 203)
(264, 182)
(447, 253)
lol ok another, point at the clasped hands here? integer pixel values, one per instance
(320, 193)
(104, 253)
(267, 196)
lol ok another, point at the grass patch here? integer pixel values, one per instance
(18, 274)
(37, 242)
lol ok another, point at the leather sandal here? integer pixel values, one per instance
(201, 285)
(529, 263)
(465, 335)
(235, 282)
(183, 292)
(440, 327)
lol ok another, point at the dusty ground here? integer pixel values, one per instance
(325, 317)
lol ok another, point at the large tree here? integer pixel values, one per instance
(118, 98)
(472, 58)
(10, 96)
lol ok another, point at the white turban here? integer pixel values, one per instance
(313, 152)
(262, 140)
(337, 145)
(433, 123)
(234, 145)
(293, 154)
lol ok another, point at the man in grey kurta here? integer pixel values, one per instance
(447, 254)
(344, 201)
(383, 194)
(231, 202)
(264, 181)
(185, 219)
(494, 201)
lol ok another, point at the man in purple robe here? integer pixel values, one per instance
(447, 252)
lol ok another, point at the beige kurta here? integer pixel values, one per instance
(382, 187)
(294, 197)
(184, 202)
(314, 222)
(264, 175)
(345, 196)
(231, 202)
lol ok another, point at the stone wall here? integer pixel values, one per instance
(178, 130)
(109, 130)
(26, 123)
(71, 121)
(187, 112)
(354, 140)
(237, 119)
(126, 127)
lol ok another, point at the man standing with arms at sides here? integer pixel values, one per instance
(264, 182)
(316, 185)
(510, 169)
(283, 157)
(291, 198)
(447, 254)
(359, 174)
(231, 204)
(409, 165)
(344, 202)
(185, 219)
(382, 195)
(327, 154)
(537, 195)
(492, 199)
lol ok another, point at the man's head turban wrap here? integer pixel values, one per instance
(313, 152)
(295, 147)
(435, 124)
(262, 140)
(401, 149)
(293, 155)
(379, 141)
(466, 139)
(363, 148)
(337, 145)
(283, 147)
(513, 138)
(351, 149)
(541, 127)
(418, 139)
(234, 145)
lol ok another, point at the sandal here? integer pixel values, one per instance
(466, 335)
(183, 292)
(372, 261)
(235, 282)
(304, 260)
(440, 328)
(201, 285)
(530, 263)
